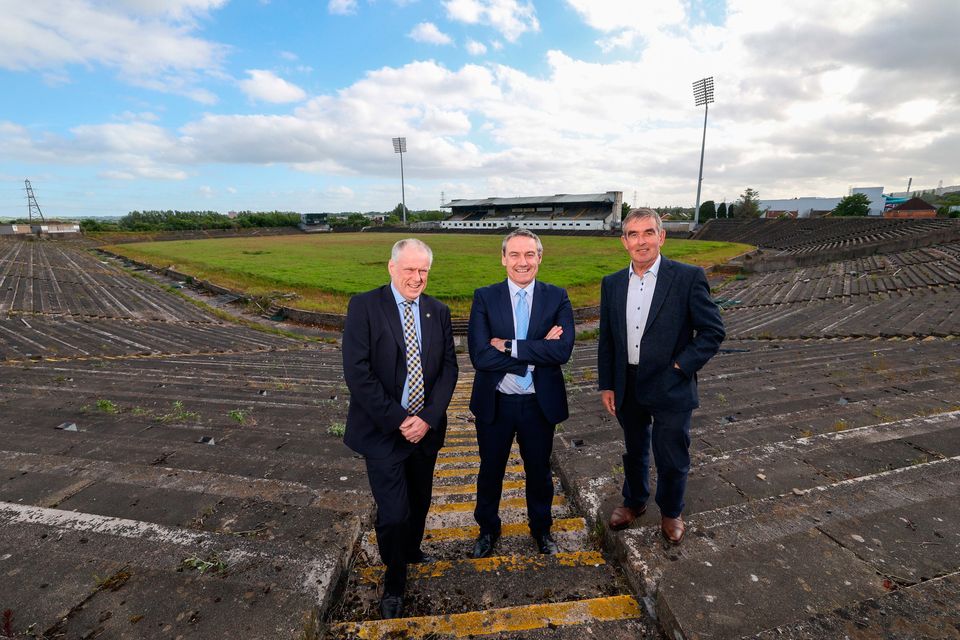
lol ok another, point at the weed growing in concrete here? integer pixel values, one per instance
(140, 411)
(107, 406)
(337, 429)
(617, 469)
(588, 374)
(597, 532)
(239, 415)
(567, 376)
(721, 399)
(212, 563)
(179, 414)
(840, 425)
(588, 334)
(113, 582)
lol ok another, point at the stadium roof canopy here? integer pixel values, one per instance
(560, 198)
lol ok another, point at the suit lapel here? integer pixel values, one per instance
(620, 304)
(427, 313)
(664, 281)
(506, 310)
(392, 315)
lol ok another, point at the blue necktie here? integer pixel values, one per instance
(523, 321)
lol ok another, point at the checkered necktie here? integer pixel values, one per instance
(414, 368)
(523, 321)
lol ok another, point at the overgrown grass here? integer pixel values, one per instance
(324, 271)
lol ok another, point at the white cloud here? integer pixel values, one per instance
(289, 55)
(512, 18)
(629, 21)
(153, 49)
(342, 7)
(429, 33)
(266, 86)
(475, 48)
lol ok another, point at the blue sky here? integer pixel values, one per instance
(112, 106)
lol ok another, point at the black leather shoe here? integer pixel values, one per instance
(391, 607)
(483, 547)
(547, 544)
(422, 558)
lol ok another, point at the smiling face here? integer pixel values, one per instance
(642, 241)
(522, 260)
(409, 271)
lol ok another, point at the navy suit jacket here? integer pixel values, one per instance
(491, 316)
(375, 369)
(683, 327)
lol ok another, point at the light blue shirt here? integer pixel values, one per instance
(415, 308)
(509, 383)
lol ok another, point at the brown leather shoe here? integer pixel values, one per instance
(673, 529)
(623, 517)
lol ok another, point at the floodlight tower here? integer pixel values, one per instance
(32, 203)
(400, 146)
(702, 95)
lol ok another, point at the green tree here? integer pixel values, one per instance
(624, 209)
(855, 204)
(357, 220)
(722, 210)
(748, 206)
(708, 210)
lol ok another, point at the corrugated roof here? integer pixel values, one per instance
(560, 198)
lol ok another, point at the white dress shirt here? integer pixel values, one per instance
(639, 296)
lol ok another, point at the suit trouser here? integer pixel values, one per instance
(520, 416)
(669, 434)
(402, 490)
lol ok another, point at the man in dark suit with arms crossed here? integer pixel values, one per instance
(658, 327)
(521, 331)
(400, 366)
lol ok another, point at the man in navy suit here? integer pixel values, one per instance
(521, 331)
(658, 327)
(400, 366)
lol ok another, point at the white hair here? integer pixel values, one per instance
(400, 245)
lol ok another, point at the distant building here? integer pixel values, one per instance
(803, 207)
(14, 229)
(912, 208)
(311, 222)
(565, 212)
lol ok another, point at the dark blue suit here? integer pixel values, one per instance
(374, 367)
(532, 418)
(654, 402)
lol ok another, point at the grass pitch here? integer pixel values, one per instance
(325, 270)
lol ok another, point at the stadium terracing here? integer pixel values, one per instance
(564, 212)
(165, 472)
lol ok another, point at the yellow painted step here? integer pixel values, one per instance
(440, 568)
(505, 503)
(455, 472)
(466, 489)
(560, 525)
(506, 620)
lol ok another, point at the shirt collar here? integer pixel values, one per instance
(653, 270)
(514, 287)
(399, 299)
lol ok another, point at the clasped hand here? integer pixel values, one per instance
(554, 334)
(413, 428)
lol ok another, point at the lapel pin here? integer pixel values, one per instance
(428, 315)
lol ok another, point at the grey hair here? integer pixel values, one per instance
(639, 214)
(521, 233)
(400, 245)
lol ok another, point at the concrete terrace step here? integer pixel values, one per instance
(493, 621)
(832, 546)
(929, 608)
(38, 541)
(458, 586)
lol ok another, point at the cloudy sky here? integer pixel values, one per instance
(115, 105)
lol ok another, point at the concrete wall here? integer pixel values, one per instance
(803, 206)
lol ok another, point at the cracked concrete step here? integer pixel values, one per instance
(37, 542)
(507, 620)
(459, 586)
(456, 541)
(832, 546)
(930, 608)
